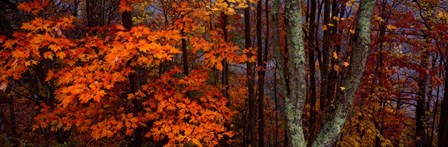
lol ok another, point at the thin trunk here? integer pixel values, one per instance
(89, 14)
(136, 140)
(3, 128)
(421, 109)
(102, 11)
(225, 76)
(436, 105)
(276, 44)
(285, 144)
(377, 77)
(250, 81)
(225, 71)
(296, 67)
(5, 26)
(260, 73)
(350, 83)
(184, 53)
(333, 75)
(165, 16)
(443, 124)
(325, 66)
(311, 60)
(276, 106)
(12, 116)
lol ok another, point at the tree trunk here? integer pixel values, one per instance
(250, 81)
(421, 108)
(225, 71)
(296, 67)
(225, 76)
(260, 71)
(443, 124)
(136, 140)
(276, 44)
(332, 78)
(311, 61)
(349, 85)
(184, 53)
(3, 128)
(325, 66)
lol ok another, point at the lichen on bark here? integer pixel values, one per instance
(296, 68)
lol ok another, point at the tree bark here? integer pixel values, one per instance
(225, 71)
(311, 61)
(325, 66)
(296, 67)
(3, 128)
(421, 108)
(260, 71)
(250, 81)
(349, 85)
(275, 41)
(136, 140)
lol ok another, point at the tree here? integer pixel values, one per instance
(200, 73)
(350, 83)
(295, 73)
(250, 81)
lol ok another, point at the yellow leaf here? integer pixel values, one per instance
(324, 27)
(336, 18)
(346, 64)
(9, 44)
(27, 26)
(54, 48)
(335, 55)
(60, 55)
(336, 68)
(28, 63)
(352, 31)
(342, 88)
(19, 54)
(379, 19)
(48, 55)
(99, 95)
(50, 75)
(331, 24)
(391, 27)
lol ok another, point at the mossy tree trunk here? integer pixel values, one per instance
(295, 73)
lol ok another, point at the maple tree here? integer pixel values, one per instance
(223, 73)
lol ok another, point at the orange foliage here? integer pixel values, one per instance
(90, 76)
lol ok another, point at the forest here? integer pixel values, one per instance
(266, 73)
